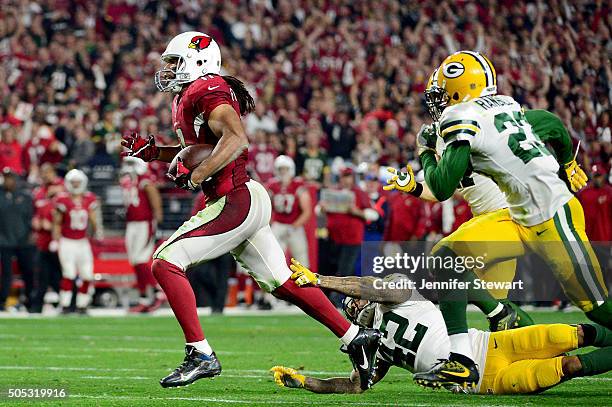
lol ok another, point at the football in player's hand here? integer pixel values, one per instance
(190, 157)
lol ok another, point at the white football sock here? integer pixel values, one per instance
(82, 300)
(461, 344)
(497, 310)
(65, 298)
(350, 334)
(202, 346)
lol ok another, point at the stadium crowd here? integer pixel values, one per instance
(338, 85)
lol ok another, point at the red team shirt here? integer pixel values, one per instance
(190, 112)
(348, 229)
(406, 219)
(261, 158)
(597, 205)
(75, 213)
(138, 207)
(285, 200)
(43, 210)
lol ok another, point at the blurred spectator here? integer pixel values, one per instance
(47, 261)
(261, 157)
(596, 200)
(346, 220)
(10, 151)
(260, 119)
(407, 218)
(340, 135)
(15, 227)
(311, 161)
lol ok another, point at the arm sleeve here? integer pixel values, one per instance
(444, 176)
(550, 129)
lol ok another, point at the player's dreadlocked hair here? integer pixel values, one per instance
(245, 100)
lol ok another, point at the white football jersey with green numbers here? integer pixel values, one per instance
(505, 149)
(480, 192)
(415, 336)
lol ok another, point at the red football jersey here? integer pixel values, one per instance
(597, 205)
(190, 111)
(75, 213)
(261, 158)
(135, 198)
(345, 228)
(43, 212)
(285, 200)
(406, 219)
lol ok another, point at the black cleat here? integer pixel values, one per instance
(508, 318)
(362, 352)
(452, 374)
(65, 311)
(196, 365)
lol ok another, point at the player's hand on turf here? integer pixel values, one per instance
(182, 178)
(287, 377)
(401, 181)
(576, 177)
(302, 276)
(136, 146)
(426, 138)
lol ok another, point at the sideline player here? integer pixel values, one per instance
(206, 110)
(291, 208)
(489, 134)
(524, 360)
(143, 213)
(74, 212)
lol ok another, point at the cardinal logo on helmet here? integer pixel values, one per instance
(199, 42)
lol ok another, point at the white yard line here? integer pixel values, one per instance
(267, 400)
(238, 372)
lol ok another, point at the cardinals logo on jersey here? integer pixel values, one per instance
(199, 42)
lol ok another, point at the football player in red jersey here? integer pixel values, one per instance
(49, 268)
(74, 212)
(291, 208)
(143, 212)
(206, 110)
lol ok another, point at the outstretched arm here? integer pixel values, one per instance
(225, 124)
(287, 377)
(364, 288)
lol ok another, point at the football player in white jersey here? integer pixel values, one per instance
(491, 135)
(484, 197)
(524, 360)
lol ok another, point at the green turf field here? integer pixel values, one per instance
(118, 361)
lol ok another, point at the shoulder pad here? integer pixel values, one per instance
(459, 119)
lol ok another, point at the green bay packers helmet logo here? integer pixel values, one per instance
(453, 69)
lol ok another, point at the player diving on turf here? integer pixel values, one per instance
(206, 110)
(523, 360)
(492, 135)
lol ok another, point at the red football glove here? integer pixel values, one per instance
(138, 147)
(182, 178)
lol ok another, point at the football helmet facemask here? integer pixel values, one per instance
(462, 76)
(359, 312)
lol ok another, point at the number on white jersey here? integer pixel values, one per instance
(283, 203)
(405, 349)
(78, 219)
